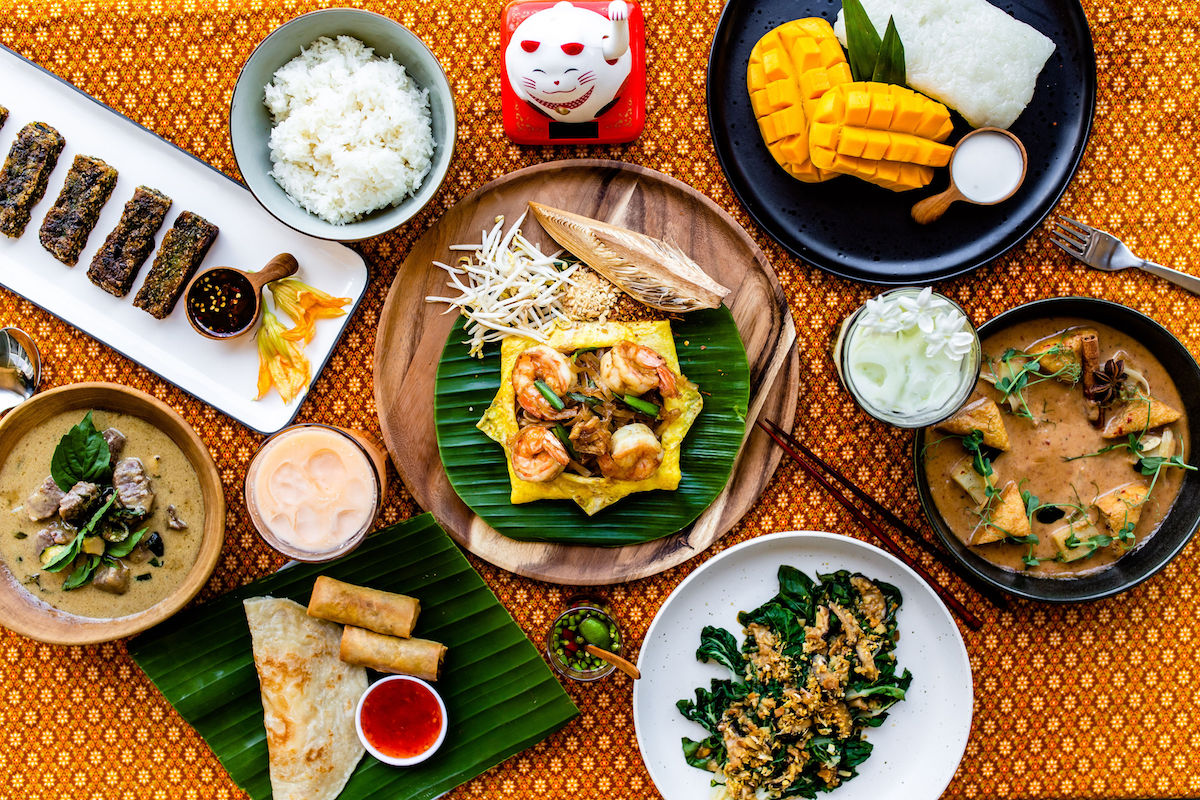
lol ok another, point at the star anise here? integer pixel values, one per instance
(1107, 383)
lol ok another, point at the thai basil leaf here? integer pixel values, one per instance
(67, 556)
(64, 558)
(82, 573)
(122, 549)
(82, 454)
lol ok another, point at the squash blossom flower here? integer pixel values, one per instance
(305, 305)
(280, 360)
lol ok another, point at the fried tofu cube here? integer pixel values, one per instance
(1069, 357)
(963, 473)
(1139, 414)
(982, 415)
(1007, 518)
(1082, 531)
(1122, 506)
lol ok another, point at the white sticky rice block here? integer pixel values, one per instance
(968, 54)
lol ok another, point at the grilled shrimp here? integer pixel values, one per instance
(548, 365)
(636, 454)
(537, 455)
(631, 368)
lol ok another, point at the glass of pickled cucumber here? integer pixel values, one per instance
(587, 621)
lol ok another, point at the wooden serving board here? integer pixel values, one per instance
(413, 332)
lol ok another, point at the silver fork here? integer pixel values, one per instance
(1102, 250)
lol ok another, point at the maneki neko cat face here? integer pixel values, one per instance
(570, 63)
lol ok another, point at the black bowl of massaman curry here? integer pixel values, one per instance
(1070, 474)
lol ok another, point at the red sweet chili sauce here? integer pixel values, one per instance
(401, 719)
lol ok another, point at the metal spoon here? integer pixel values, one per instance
(20, 368)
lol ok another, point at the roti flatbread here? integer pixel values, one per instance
(308, 698)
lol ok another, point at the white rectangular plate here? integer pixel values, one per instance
(223, 374)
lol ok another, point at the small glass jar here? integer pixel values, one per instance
(566, 641)
(958, 380)
(274, 508)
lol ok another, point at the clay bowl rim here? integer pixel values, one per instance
(1181, 521)
(21, 611)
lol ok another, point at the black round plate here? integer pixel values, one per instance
(863, 232)
(1177, 527)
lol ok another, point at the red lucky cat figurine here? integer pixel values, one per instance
(574, 72)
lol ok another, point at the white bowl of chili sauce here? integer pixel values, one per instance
(401, 720)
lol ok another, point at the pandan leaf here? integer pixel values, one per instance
(500, 695)
(889, 66)
(862, 40)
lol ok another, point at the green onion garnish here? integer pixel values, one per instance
(638, 404)
(565, 438)
(584, 398)
(553, 399)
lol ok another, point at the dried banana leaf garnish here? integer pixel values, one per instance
(650, 270)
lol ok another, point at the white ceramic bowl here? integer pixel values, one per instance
(250, 121)
(400, 762)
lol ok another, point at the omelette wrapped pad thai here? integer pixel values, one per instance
(594, 415)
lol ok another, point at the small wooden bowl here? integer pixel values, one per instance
(24, 613)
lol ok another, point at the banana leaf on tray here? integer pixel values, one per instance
(500, 695)
(711, 355)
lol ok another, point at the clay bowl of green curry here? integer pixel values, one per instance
(111, 514)
(1071, 473)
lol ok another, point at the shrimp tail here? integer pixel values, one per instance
(666, 380)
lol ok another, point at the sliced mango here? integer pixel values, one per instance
(791, 68)
(885, 134)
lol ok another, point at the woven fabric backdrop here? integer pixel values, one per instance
(1090, 701)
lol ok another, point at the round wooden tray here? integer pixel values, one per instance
(413, 332)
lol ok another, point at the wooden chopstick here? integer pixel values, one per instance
(973, 622)
(996, 598)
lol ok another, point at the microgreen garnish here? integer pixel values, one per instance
(1023, 370)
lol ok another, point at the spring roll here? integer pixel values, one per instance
(375, 610)
(420, 658)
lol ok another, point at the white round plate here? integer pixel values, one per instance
(918, 747)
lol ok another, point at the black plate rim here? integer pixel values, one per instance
(883, 279)
(1030, 587)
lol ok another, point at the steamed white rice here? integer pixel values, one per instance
(352, 130)
(968, 54)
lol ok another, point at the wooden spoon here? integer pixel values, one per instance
(931, 208)
(224, 303)
(625, 666)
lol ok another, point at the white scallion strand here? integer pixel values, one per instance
(507, 286)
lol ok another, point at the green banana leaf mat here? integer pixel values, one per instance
(711, 355)
(500, 695)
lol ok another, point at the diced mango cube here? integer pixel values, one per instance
(880, 117)
(858, 108)
(852, 142)
(822, 135)
(877, 144)
(831, 53)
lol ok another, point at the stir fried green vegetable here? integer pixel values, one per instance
(816, 669)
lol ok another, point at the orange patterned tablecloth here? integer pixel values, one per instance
(1089, 701)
